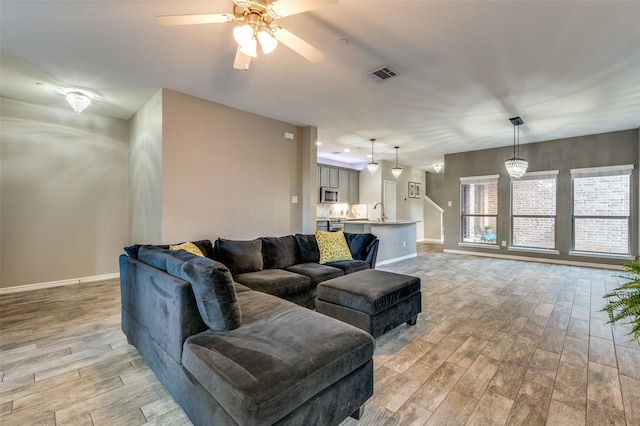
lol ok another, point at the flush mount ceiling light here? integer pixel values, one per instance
(78, 99)
(516, 166)
(257, 26)
(396, 171)
(437, 167)
(372, 166)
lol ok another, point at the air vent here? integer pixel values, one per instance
(381, 74)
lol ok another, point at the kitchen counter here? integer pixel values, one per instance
(397, 237)
(378, 223)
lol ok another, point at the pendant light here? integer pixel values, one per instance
(516, 166)
(396, 171)
(372, 166)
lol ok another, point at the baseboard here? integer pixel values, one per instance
(396, 259)
(50, 284)
(538, 259)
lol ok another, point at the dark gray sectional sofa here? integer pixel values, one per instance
(288, 266)
(230, 355)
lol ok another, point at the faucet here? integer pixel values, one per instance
(382, 218)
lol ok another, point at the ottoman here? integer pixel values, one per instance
(372, 300)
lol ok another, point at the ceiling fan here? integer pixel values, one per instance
(257, 26)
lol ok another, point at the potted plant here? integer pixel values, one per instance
(624, 302)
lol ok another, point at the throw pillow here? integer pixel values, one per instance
(308, 251)
(279, 252)
(240, 256)
(213, 288)
(188, 247)
(333, 246)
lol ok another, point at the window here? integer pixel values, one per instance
(533, 210)
(602, 209)
(479, 205)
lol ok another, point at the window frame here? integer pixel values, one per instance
(478, 180)
(626, 169)
(541, 175)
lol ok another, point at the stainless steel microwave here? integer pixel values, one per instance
(328, 195)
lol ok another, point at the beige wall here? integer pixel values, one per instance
(63, 187)
(226, 173)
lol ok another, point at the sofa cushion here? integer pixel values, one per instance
(275, 362)
(333, 246)
(316, 272)
(308, 250)
(350, 266)
(279, 252)
(240, 256)
(205, 247)
(277, 282)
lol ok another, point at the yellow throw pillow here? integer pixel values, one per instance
(188, 247)
(333, 246)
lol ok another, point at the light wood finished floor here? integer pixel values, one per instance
(498, 342)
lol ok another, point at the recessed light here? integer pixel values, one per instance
(347, 150)
(318, 143)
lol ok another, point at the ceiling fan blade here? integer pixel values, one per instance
(282, 8)
(298, 45)
(214, 18)
(242, 61)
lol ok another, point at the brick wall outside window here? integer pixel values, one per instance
(536, 200)
(601, 208)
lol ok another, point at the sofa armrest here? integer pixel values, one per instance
(159, 304)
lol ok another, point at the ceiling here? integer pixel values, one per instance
(567, 68)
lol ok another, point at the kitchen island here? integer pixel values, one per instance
(397, 237)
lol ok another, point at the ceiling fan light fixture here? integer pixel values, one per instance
(250, 48)
(267, 42)
(243, 34)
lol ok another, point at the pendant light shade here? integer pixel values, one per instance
(516, 166)
(372, 166)
(396, 171)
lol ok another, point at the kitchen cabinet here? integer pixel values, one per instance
(346, 181)
(334, 180)
(354, 187)
(323, 173)
(343, 186)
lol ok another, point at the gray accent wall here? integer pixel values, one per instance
(64, 193)
(608, 149)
